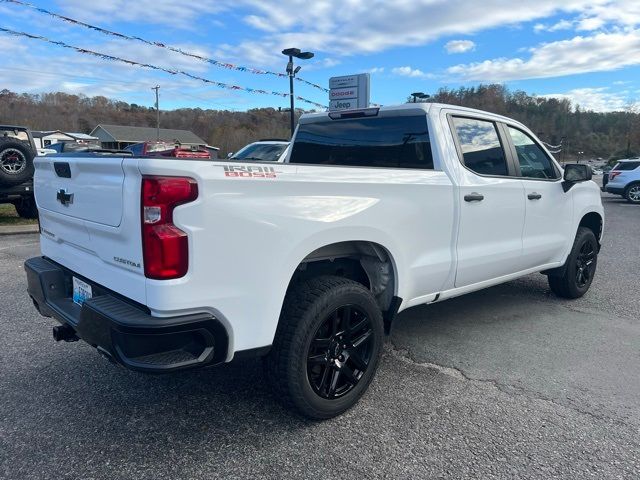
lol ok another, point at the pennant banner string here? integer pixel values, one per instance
(123, 36)
(112, 58)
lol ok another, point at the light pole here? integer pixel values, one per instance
(419, 95)
(156, 88)
(294, 52)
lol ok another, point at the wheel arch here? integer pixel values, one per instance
(366, 262)
(594, 222)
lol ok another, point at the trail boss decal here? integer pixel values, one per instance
(249, 171)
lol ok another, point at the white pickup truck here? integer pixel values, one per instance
(167, 264)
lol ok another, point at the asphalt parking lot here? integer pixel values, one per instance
(510, 382)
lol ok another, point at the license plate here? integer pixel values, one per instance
(81, 291)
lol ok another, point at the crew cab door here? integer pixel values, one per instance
(547, 230)
(491, 199)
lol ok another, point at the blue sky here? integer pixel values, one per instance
(587, 51)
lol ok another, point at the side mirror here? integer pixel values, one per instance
(230, 154)
(574, 173)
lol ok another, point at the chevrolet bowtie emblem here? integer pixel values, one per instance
(64, 198)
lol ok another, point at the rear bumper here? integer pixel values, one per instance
(615, 190)
(125, 332)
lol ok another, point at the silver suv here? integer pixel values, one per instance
(624, 179)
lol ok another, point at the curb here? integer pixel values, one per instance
(19, 230)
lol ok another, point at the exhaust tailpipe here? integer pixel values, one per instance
(64, 332)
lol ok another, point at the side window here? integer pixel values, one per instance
(480, 144)
(534, 162)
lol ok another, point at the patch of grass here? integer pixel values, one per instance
(9, 216)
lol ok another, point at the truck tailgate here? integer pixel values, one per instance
(90, 218)
(81, 187)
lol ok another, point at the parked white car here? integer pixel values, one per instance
(166, 264)
(263, 151)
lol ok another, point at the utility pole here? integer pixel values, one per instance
(156, 88)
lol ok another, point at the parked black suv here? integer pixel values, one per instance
(17, 150)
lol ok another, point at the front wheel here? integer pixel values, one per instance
(580, 268)
(327, 347)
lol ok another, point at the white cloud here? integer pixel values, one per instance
(624, 13)
(92, 76)
(592, 23)
(595, 99)
(561, 25)
(410, 72)
(376, 70)
(162, 12)
(369, 26)
(459, 46)
(597, 53)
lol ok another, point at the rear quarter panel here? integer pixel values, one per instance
(248, 235)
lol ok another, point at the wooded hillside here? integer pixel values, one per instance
(606, 135)
(596, 134)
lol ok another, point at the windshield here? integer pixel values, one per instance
(79, 147)
(160, 146)
(19, 134)
(268, 152)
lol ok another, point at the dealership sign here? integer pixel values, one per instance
(349, 92)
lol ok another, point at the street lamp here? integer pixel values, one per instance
(419, 95)
(294, 52)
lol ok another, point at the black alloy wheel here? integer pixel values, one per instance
(574, 278)
(585, 264)
(340, 352)
(327, 346)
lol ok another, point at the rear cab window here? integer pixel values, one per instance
(385, 142)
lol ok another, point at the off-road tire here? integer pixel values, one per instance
(307, 307)
(16, 162)
(632, 193)
(568, 284)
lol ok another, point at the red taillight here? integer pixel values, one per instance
(165, 247)
(613, 174)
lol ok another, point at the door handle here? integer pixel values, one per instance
(474, 197)
(534, 196)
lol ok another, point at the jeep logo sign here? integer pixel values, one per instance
(349, 92)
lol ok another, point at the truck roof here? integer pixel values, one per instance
(407, 109)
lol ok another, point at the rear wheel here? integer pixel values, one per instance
(577, 274)
(632, 193)
(327, 346)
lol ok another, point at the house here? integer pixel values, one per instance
(118, 137)
(43, 139)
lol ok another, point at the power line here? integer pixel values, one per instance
(123, 36)
(106, 81)
(113, 58)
